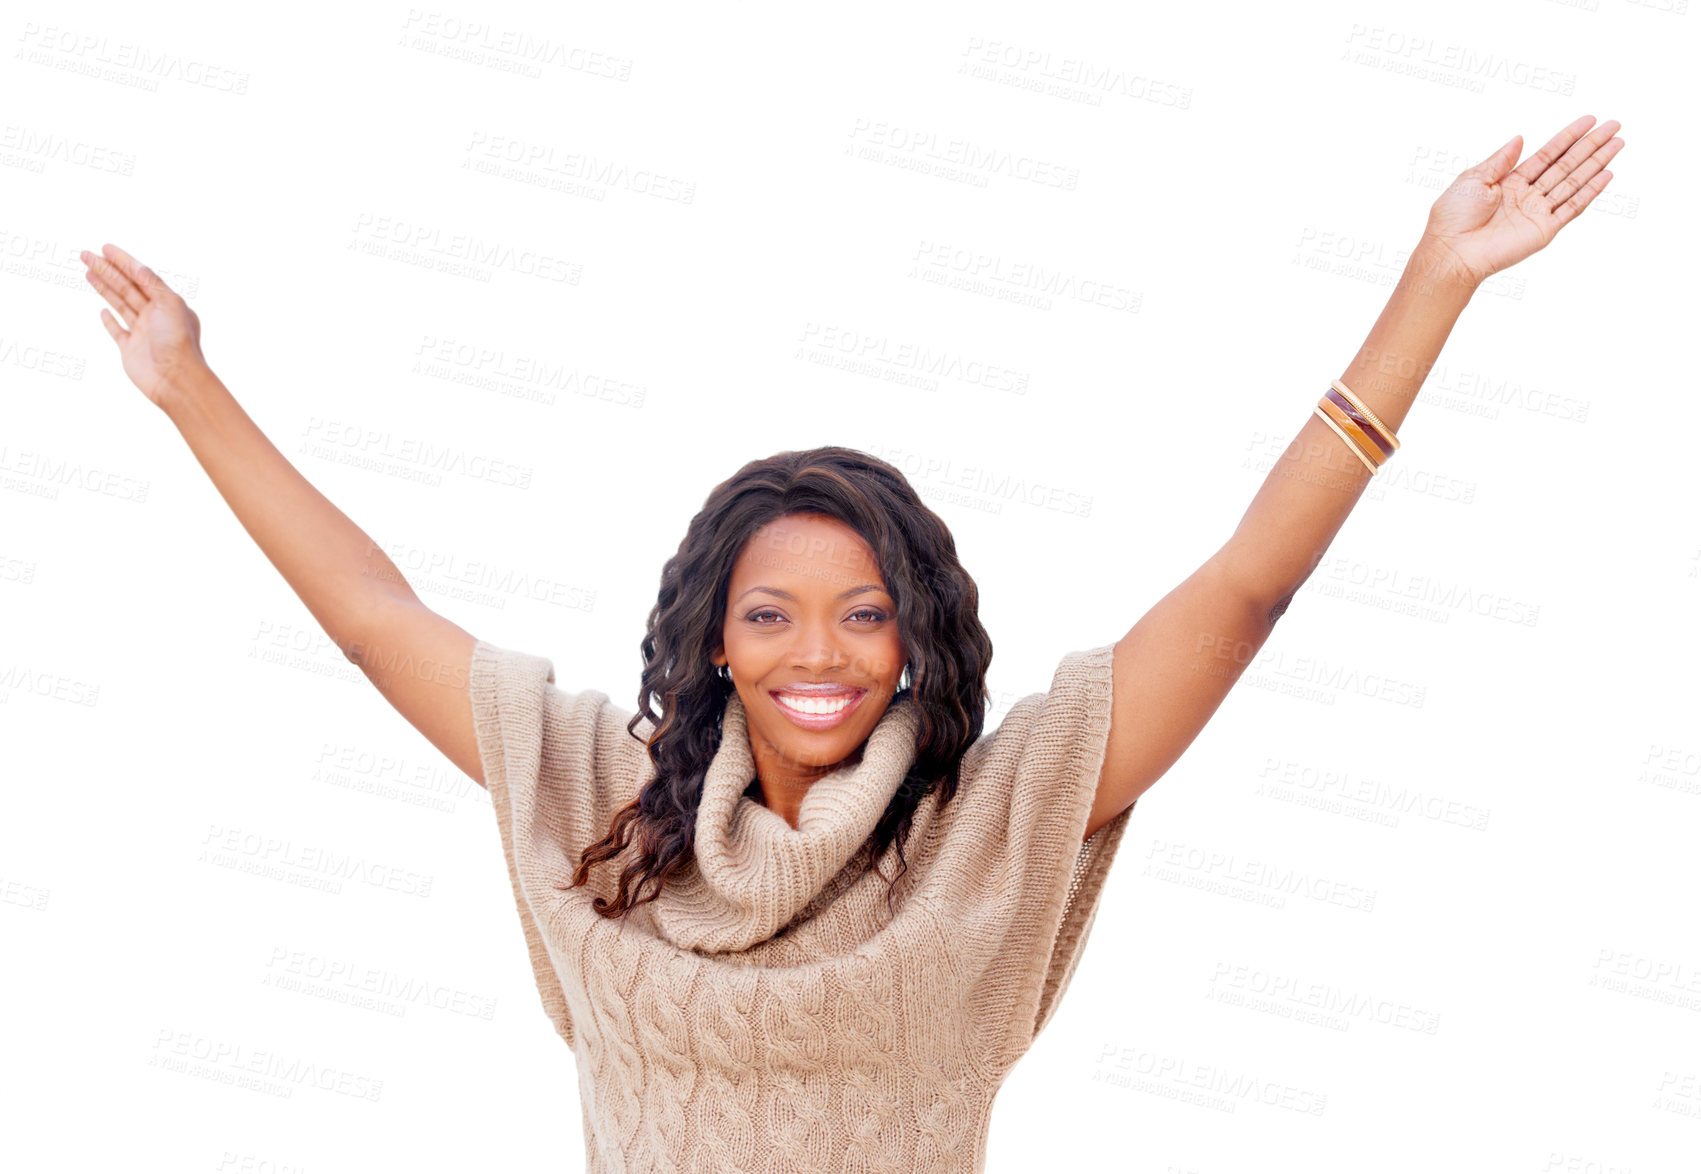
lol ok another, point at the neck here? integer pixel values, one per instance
(780, 785)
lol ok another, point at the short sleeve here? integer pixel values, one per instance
(556, 764)
(1037, 775)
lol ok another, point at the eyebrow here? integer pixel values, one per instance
(845, 594)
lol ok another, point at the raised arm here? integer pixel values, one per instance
(1175, 666)
(417, 659)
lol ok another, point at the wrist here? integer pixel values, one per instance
(188, 387)
(1435, 264)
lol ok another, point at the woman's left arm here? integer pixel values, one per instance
(1175, 666)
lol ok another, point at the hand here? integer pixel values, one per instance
(160, 341)
(1493, 216)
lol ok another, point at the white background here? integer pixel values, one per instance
(1483, 703)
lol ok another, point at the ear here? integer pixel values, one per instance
(718, 656)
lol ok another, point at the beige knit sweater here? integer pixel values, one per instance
(766, 1013)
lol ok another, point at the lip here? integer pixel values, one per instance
(813, 721)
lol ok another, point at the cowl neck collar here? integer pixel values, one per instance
(753, 873)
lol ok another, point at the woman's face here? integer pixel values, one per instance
(811, 638)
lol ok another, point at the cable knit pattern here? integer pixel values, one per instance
(753, 872)
(768, 1013)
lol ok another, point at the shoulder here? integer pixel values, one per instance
(1054, 731)
(588, 726)
(563, 759)
(524, 715)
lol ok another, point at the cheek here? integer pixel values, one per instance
(892, 657)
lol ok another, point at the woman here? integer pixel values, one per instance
(832, 915)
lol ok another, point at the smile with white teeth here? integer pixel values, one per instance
(815, 704)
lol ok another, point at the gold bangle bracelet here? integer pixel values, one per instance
(1347, 440)
(1368, 414)
(1351, 427)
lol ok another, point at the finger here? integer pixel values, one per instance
(1531, 169)
(1573, 207)
(1583, 149)
(146, 279)
(1584, 171)
(1495, 167)
(118, 333)
(111, 296)
(114, 277)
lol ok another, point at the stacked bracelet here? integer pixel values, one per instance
(1371, 441)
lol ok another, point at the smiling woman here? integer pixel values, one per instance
(844, 912)
(771, 981)
(779, 598)
(813, 650)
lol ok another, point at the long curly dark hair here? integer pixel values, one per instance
(938, 621)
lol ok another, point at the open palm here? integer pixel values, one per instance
(159, 339)
(1494, 215)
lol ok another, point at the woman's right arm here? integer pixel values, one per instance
(416, 658)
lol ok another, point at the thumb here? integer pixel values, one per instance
(1495, 167)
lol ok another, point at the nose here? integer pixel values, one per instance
(821, 651)
(817, 650)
